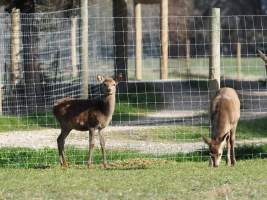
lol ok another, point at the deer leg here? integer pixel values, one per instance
(228, 158)
(60, 144)
(102, 144)
(91, 146)
(232, 144)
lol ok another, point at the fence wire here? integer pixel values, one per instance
(152, 116)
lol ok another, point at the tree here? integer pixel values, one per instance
(177, 26)
(120, 37)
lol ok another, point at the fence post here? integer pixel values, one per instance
(238, 60)
(15, 46)
(214, 62)
(138, 40)
(187, 59)
(164, 39)
(73, 47)
(84, 56)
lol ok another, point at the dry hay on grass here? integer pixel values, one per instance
(136, 163)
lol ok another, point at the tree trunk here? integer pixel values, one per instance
(32, 71)
(120, 37)
(31, 92)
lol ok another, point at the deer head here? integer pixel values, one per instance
(108, 85)
(216, 149)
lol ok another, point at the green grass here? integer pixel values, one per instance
(252, 67)
(139, 100)
(159, 180)
(252, 129)
(32, 121)
(256, 128)
(35, 174)
(42, 158)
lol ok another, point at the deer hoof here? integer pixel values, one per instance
(233, 163)
(228, 163)
(90, 166)
(65, 165)
(105, 166)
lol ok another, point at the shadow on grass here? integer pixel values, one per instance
(252, 128)
(124, 160)
(242, 153)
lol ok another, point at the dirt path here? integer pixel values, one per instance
(47, 138)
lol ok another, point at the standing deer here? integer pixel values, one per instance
(225, 113)
(86, 115)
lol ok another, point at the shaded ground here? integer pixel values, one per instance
(187, 102)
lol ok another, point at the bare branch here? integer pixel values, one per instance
(262, 55)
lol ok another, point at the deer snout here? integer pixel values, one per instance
(109, 91)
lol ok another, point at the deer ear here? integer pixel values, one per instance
(119, 78)
(206, 140)
(100, 78)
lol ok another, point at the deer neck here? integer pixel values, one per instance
(109, 101)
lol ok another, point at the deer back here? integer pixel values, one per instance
(225, 112)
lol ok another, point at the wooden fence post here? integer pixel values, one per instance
(164, 39)
(138, 40)
(74, 46)
(187, 59)
(84, 56)
(238, 60)
(15, 46)
(1, 93)
(214, 62)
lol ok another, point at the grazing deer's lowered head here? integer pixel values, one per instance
(225, 113)
(87, 114)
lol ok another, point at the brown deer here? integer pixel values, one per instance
(225, 113)
(86, 115)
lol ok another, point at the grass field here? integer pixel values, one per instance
(157, 180)
(35, 174)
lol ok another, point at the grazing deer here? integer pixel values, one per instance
(225, 113)
(86, 114)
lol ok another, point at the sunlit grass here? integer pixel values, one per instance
(142, 178)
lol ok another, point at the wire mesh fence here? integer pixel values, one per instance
(153, 117)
